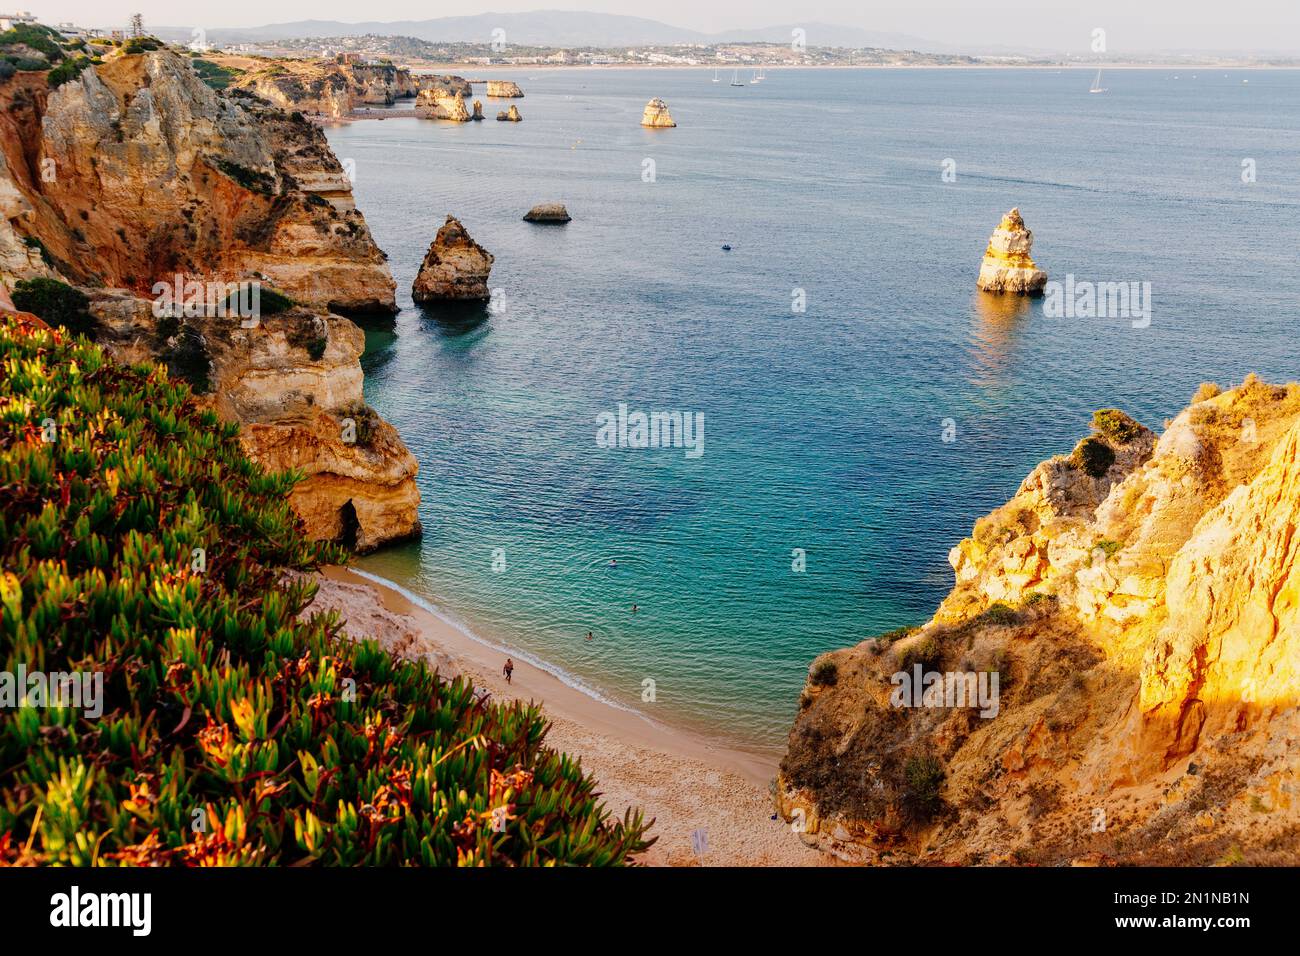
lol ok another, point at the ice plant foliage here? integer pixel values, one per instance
(232, 732)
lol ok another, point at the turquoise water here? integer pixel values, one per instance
(823, 429)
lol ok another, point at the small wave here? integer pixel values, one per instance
(559, 673)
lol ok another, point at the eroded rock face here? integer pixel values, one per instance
(656, 115)
(511, 115)
(504, 89)
(455, 268)
(327, 88)
(439, 104)
(1007, 265)
(137, 171)
(477, 115)
(1143, 623)
(445, 82)
(156, 174)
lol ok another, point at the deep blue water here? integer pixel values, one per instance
(822, 429)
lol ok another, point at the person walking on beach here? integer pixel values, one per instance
(508, 669)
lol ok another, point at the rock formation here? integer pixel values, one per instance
(503, 89)
(455, 268)
(1137, 599)
(445, 82)
(548, 212)
(477, 115)
(656, 115)
(441, 105)
(1007, 266)
(511, 115)
(155, 175)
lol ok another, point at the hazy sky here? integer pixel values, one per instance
(1058, 25)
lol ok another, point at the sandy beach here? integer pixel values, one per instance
(683, 781)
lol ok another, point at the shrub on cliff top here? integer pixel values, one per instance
(1093, 456)
(139, 544)
(1116, 425)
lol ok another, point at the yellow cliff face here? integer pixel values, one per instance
(1007, 265)
(1140, 608)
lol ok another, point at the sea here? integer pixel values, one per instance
(859, 404)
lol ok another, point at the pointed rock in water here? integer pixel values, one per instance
(656, 115)
(1007, 266)
(478, 111)
(455, 269)
(510, 116)
(548, 212)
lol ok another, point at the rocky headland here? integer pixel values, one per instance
(135, 176)
(1138, 601)
(656, 115)
(1007, 265)
(455, 269)
(503, 89)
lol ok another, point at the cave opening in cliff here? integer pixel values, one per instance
(349, 525)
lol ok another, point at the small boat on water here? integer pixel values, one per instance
(1096, 84)
(735, 79)
(726, 247)
(715, 76)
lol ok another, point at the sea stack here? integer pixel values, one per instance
(511, 115)
(455, 269)
(441, 105)
(553, 212)
(656, 115)
(1007, 266)
(478, 111)
(503, 89)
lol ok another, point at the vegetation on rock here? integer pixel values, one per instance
(140, 544)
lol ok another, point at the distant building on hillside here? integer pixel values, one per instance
(10, 20)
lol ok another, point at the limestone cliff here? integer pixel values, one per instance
(656, 115)
(504, 89)
(1139, 601)
(136, 172)
(455, 268)
(440, 104)
(328, 88)
(511, 115)
(1007, 265)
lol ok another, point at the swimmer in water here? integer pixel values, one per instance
(589, 635)
(633, 608)
(613, 563)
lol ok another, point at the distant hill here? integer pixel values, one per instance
(557, 28)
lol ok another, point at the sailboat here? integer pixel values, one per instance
(735, 79)
(1096, 84)
(754, 77)
(715, 75)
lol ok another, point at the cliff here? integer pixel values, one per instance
(455, 268)
(439, 104)
(504, 89)
(1007, 265)
(656, 115)
(1138, 601)
(326, 88)
(136, 172)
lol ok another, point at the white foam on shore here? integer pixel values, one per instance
(451, 620)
